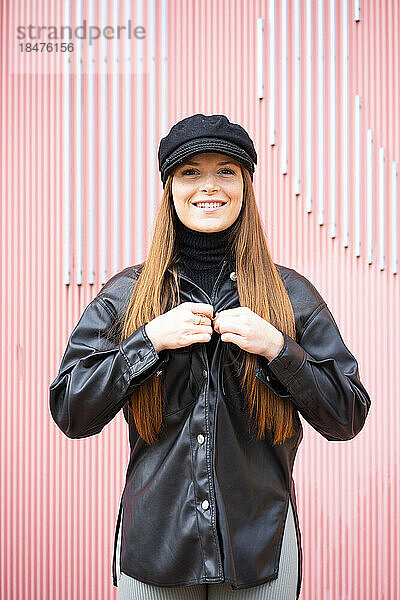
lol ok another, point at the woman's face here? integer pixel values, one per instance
(208, 177)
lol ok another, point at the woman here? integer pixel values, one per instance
(212, 350)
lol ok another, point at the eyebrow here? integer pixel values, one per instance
(225, 162)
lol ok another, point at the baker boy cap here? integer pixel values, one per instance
(205, 133)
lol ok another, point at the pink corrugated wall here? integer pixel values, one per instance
(317, 86)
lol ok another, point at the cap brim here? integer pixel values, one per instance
(201, 145)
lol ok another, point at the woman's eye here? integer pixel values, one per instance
(190, 171)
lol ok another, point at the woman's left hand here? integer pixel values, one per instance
(249, 331)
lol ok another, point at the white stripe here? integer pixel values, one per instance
(332, 125)
(115, 148)
(321, 114)
(284, 93)
(297, 98)
(78, 154)
(103, 147)
(395, 212)
(381, 207)
(272, 99)
(369, 196)
(91, 158)
(357, 175)
(164, 67)
(345, 130)
(260, 57)
(67, 157)
(127, 136)
(139, 200)
(309, 104)
(151, 130)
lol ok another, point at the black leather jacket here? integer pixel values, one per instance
(170, 535)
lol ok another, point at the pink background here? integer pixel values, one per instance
(79, 191)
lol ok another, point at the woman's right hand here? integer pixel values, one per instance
(176, 328)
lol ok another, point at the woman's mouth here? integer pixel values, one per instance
(209, 206)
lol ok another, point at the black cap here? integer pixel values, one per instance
(205, 133)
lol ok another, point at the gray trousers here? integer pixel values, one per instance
(282, 588)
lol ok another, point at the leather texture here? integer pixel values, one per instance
(170, 535)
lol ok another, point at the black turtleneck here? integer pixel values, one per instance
(202, 254)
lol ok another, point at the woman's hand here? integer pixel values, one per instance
(248, 330)
(176, 328)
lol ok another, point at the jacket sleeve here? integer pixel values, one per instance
(264, 373)
(96, 375)
(321, 376)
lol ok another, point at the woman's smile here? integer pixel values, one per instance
(209, 206)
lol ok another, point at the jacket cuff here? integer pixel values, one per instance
(279, 372)
(264, 373)
(289, 360)
(141, 357)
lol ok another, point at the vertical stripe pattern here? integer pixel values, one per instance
(316, 84)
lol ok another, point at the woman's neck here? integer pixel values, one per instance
(202, 250)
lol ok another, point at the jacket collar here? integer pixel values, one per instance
(223, 286)
(185, 279)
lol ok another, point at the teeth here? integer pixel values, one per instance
(209, 204)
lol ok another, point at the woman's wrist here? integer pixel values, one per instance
(276, 346)
(150, 334)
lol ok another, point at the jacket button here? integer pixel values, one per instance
(233, 276)
(268, 377)
(158, 373)
(205, 373)
(200, 438)
(205, 504)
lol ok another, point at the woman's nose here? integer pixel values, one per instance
(209, 184)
